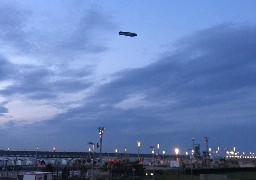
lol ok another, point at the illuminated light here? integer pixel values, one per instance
(163, 152)
(186, 153)
(234, 149)
(176, 150)
(115, 150)
(138, 143)
(151, 174)
(101, 131)
(153, 151)
(89, 149)
(158, 146)
(146, 174)
(210, 149)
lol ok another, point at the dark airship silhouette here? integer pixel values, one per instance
(127, 34)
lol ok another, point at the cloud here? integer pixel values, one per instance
(47, 57)
(204, 83)
(63, 37)
(91, 24)
(40, 82)
(3, 110)
(133, 101)
(208, 80)
(12, 27)
(6, 69)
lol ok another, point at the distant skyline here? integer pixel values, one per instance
(65, 71)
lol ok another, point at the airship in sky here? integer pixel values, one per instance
(131, 34)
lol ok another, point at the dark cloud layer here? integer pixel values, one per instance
(214, 65)
(206, 83)
(42, 83)
(6, 69)
(58, 48)
(201, 87)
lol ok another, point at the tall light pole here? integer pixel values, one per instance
(191, 162)
(158, 146)
(163, 154)
(37, 148)
(101, 131)
(176, 150)
(138, 144)
(93, 147)
(153, 154)
(116, 152)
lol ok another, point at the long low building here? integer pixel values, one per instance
(56, 154)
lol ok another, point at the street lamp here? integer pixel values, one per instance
(158, 146)
(176, 150)
(116, 153)
(101, 131)
(37, 148)
(138, 144)
(163, 154)
(93, 145)
(153, 155)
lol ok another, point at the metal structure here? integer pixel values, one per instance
(101, 131)
(206, 147)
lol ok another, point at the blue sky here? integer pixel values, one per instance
(189, 73)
